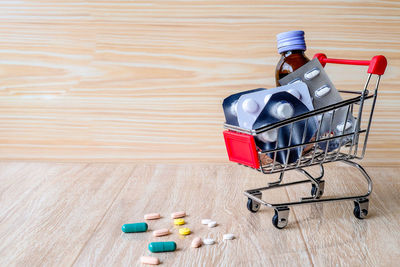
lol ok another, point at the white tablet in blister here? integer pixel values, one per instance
(250, 105)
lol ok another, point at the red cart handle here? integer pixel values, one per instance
(377, 64)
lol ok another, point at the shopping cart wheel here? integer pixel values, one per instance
(253, 205)
(361, 208)
(317, 193)
(280, 219)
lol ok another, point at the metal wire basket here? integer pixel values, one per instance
(326, 146)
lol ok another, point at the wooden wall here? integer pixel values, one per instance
(144, 80)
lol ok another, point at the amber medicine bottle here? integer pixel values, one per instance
(291, 46)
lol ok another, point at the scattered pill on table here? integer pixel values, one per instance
(184, 231)
(134, 227)
(209, 241)
(152, 216)
(179, 221)
(212, 224)
(205, 221)
(228, 236)
(162, 246)
(149, 260)
(178, 214)
(161, 232)
(196, 242)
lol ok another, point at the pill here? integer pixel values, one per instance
(149, 260)
(162, 246)
(295, 81)
(228, 236)
(205, 221)
(269, 136)
(295, 93)
(178, 214)
(284, 110)
(161, 232)
(340, 127)
(266, 99)
(311, 74)
(212, 224)
(196, 242)
(152, 216)
(209, 241)
(250, 106)
(184, 231)
(324, 90)
(234, 107)
(179, 221)
(134, 227)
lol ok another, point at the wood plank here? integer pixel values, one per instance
(335, 237)
(122, 81)
(204, 192)
(71, 214)
(49, 211)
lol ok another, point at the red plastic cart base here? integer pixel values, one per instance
(241, 149)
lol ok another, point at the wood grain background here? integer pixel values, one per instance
(144, 80)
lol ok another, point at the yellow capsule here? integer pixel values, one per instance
(184, 231)
(179, 221)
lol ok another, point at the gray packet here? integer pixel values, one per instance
(323, 93)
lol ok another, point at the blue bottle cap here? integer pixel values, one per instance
(293, 40)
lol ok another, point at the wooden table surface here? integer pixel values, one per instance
(144, 80)
(63, 214)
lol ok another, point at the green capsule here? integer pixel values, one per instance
(134, 227)
(162, 246)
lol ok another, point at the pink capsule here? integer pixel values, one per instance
(178, 214)
(161, 232)
(196, 242)
(152, 216)
(149, 260)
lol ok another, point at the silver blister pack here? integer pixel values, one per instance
(323, 93)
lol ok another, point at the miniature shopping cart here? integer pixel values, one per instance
(242, 149)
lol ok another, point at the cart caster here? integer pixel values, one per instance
(361, 208)
(252, 205)
(280, 219)
(316, 194)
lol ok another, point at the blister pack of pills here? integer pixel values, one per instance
(230, 106)
(250, 105)
(280, 106)
(328, 131)
(323, 93)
